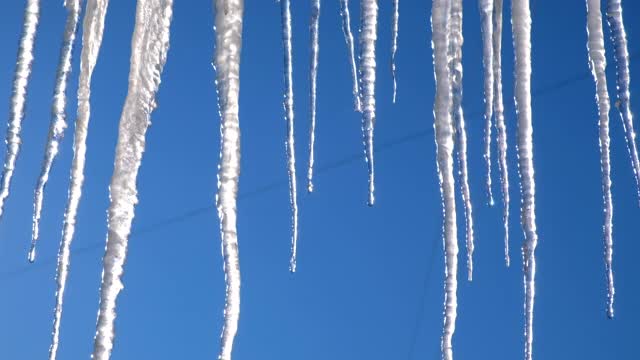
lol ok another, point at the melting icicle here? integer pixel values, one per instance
(368, 36)
(93, 26)
(18, 96)
(598, 62)
(228, 29)
(148, 55)
(440, 15)
(315, 48)
(455, 68)
(486, 12)
(285, 8)
(521, 24)
(348, 38)
(621, 56)
(500, 123)
(394, 44)
(58, 121)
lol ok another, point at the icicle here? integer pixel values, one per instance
(93, 26)
(444, 151)
(521, 23)
(368, 36)
(455, 68)
(58, 121)
(486, 9)
(394, 45)
(621, 56)
(500, 123)
(348, 38)
(228, 30)
(148, 55)
(18, 96)
(315, 48)
(285, 8)
(598, 62)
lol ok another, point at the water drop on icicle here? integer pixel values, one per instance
(149, 47)
(348, 38)
(313, 76)
(58, 121)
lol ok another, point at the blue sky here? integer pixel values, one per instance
(369, 282)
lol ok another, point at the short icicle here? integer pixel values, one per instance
(521, 24)
(348, 38)
(455, 69)
(368, 37)
(228, 31)
(486, 13)
(285, 8)
(444, 135)
(394, 45)
(58, 121)
(93, 26)
(313, 77)
(149, 47)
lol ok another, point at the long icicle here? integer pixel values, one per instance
(18, 96)
(348, 38)
(498, 111)
(285, 7)
(394, 45)
(58, 121)
(486, 13)
(598, 62)
(228, 31)
(313, 77)
(368, 36)
(440, 15)
(521, 24)
(455, 68)
(93, 26)
(621, 56)
(149, 48)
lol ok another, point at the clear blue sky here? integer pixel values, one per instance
(369, 282)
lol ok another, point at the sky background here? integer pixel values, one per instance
(370, 280)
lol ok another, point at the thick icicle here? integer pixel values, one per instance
(148, 55)
(598, 62)
(444, 134)
(313, 76)
(394, 44)
(521, 24)
(621, 56)
(19, 96)
(228, 29)
(455, 68)
(486, 13)
(368, 36)
(93, 26)
(348, 38)
(498, 111)
(285, 8)
(58, 121)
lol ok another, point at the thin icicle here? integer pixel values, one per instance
(521, 24)
(315, 48)
(228, 31)
(148, 55)
(486, 13)
(621, 56)
(498, 112)
(93, 26)
(58, 120)
(598, 62)
(394, 44)
(444, 135)
(285, 9)
(455, 68)
(368, 36)
(348, 38)
(18, 96)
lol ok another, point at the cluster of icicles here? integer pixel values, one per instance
(150, 44)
